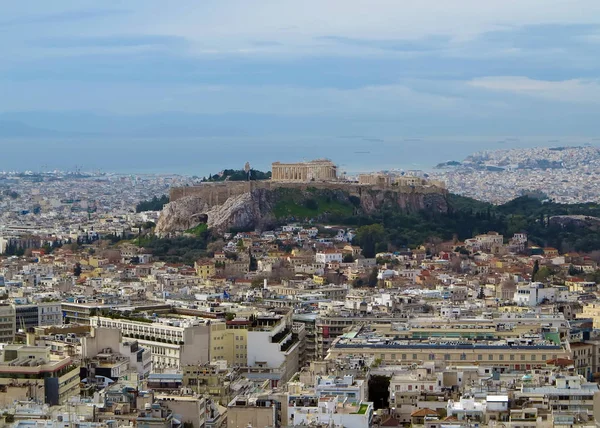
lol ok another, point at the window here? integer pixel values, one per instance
(490, 357)
(533, 358)
(522, 357)
(512, 357)
(501, 357)
(404, 356)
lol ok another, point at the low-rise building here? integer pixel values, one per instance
(34, 374)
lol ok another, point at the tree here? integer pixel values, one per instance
(372, 281)
(379, 391)
(358, 282)
(154, 204)
(77, 270)
(348, 258)
(311, 204)
(253, 265)
(573, 271)
(481, 294)
(368, 237)
(257, 283)
(543, 274)
(536, 269)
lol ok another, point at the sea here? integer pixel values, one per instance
(202, 156)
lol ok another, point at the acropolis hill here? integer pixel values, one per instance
(262, 203)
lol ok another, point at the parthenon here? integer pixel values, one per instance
(316, 170)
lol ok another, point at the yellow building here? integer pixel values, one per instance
(318, 279)
(591, 310)
(205, 269)
(228, 341)
(577, 285)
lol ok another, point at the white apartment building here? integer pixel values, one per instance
(329, 256)
(331, 411)
(272, 345)
(173, 343)
(535, 293)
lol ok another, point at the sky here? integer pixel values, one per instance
(379, 67)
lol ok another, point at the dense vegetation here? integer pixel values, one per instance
(292, 204)
(199, 230)
(238, 175)
(178, 249)
(389, 229)
(154, 204)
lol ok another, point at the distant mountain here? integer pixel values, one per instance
(447, 164)
(12, 129)
(158, 125)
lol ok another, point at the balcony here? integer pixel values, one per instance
(287, 345)
(281, 335)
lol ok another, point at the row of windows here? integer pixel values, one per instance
(463, 357)
(142, 329)
(159, 350)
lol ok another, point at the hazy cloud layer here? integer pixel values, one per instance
(440, 65)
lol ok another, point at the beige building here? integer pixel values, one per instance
(317, 170)
(516, 343)
(212, 379)
(591, 310)
(191, 409)
(376, 179)
(254, 411)
(7, 323)
(31, 372)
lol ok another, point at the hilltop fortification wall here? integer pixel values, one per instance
(215, 194)
(240, 204)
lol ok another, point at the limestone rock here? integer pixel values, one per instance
(255, 207)
(180, 215)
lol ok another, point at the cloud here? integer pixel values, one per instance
(424, 62)
(572, 91)
(426, 44)
(60, 17)
(112, 41)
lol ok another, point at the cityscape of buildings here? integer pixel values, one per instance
(562, 174)
(287, 327)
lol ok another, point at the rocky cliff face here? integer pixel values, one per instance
(373, 200)
(248, 210)
(256, 208)
(180, 215)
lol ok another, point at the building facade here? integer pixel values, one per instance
(317, 170)
(171, 343)
(7, 323)
(39, 314)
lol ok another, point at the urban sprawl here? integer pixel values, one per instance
(105, 324)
